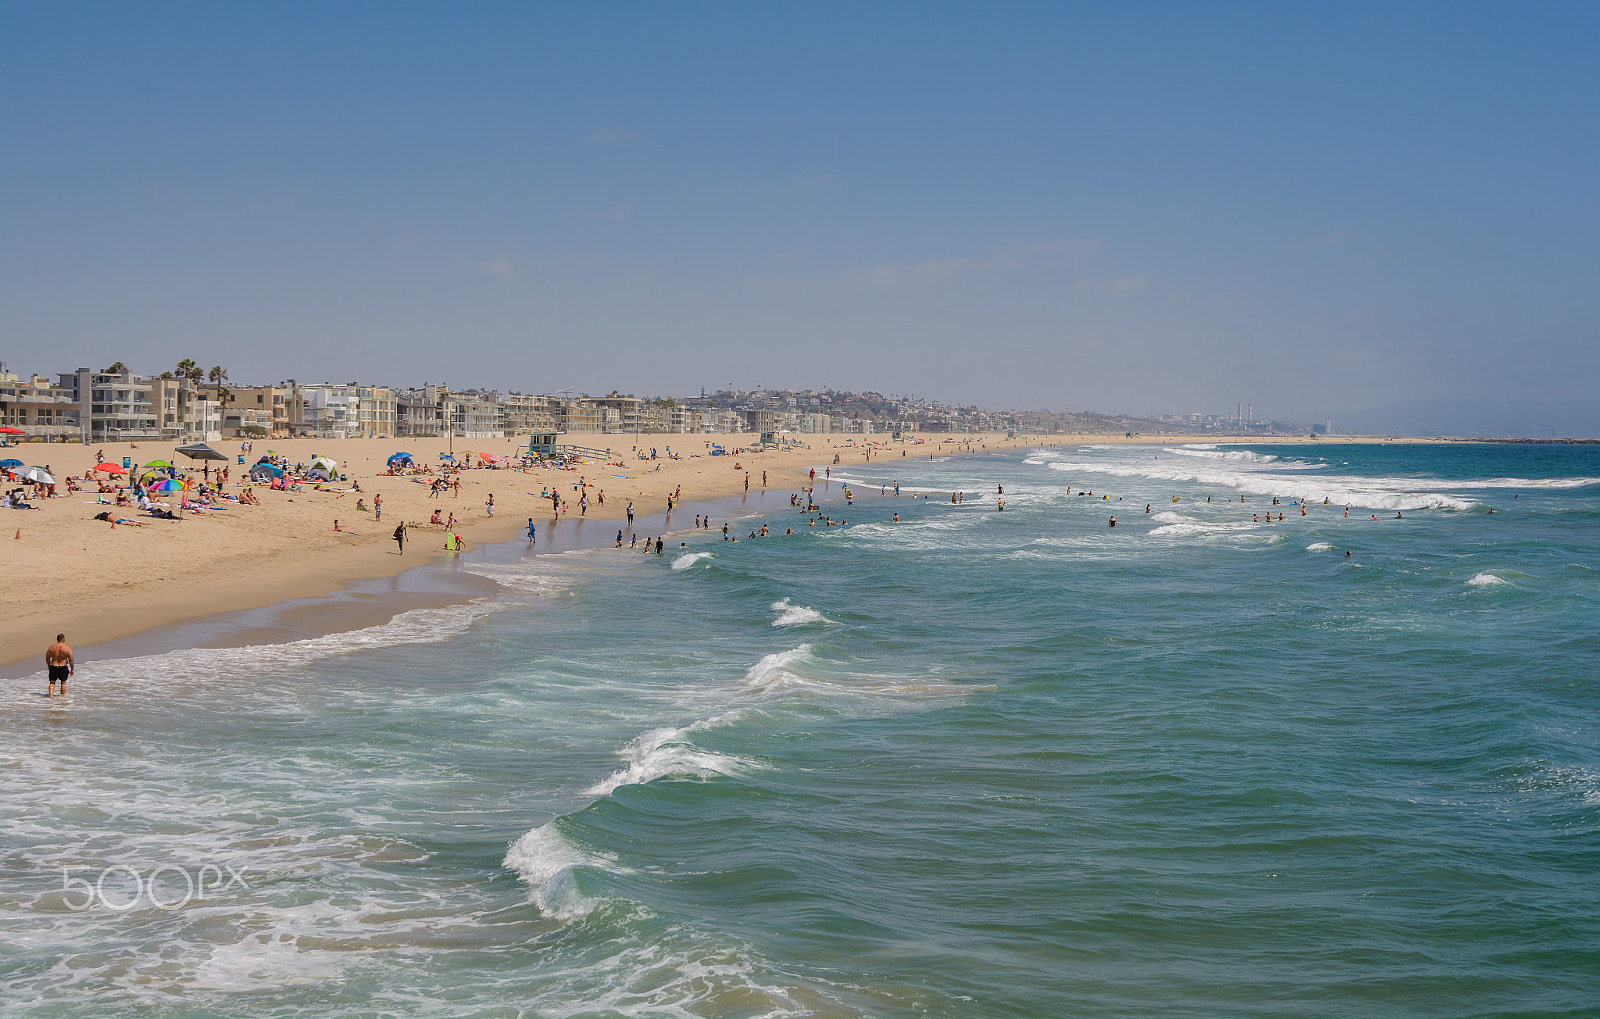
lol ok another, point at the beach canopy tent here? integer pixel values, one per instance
(264, 472)
(324, 468)
(201, 451)
(401, 460)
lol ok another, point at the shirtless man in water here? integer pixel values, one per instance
(60, 664)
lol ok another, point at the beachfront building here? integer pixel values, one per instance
(436, 410)
(621, 413)
(112, 406)
(185, 412)
(477, 415)
(420, 412)
(328, 411)
(37, 408)
(346, 411)
(579, 414)
(270, 407)
(525, 413)
(247, 422)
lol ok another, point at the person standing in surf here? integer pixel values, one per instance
(59, 665)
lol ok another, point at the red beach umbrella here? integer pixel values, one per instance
(8, 430)
(110, 468)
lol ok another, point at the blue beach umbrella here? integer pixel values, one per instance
(8, 464)
(442, 456)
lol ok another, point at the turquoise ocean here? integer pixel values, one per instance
(975, 763)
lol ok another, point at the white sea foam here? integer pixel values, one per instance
(417, 626)
(774, 666)
(1176, 525)
(688, 559)
(545, 860)
(1244, 455)
(663, 753)
(1318, 546)
(795, 615)
(1373, 492)
(1486, 580)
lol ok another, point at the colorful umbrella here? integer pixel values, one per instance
(169, 485)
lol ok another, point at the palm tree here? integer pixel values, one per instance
(187, 369)
(117, 368)
(219, 376)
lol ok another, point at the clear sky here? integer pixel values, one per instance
(1121, 207)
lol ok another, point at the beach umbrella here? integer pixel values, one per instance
(201, 451)
(169, 485)
(8, 464)
(37, 475)
(400, 458)
(111, 468)
(8, 430)
(442, 456)
(159, 463)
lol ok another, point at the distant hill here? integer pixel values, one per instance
(1485, 418)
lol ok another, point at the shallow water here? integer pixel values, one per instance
(975, 763)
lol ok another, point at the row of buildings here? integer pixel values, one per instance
(119, 405)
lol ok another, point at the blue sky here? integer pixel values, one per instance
(1123, 207)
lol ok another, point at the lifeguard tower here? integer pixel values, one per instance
(543, 444)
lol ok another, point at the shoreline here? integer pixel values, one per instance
(271, 559)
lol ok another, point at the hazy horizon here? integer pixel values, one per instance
(1128, 210)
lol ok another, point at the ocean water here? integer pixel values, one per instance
(976, 763)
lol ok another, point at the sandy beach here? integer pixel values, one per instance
(74, 574)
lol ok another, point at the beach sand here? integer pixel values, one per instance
(68, 572)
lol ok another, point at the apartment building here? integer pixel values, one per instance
(112, 407)
(37, 407)
(269, 407)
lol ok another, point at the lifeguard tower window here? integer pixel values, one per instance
(544, 443)
(769, 438)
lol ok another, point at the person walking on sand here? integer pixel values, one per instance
(630, 512)
(399, 535)
(59, 665)
(377, 508)
(489, 506)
